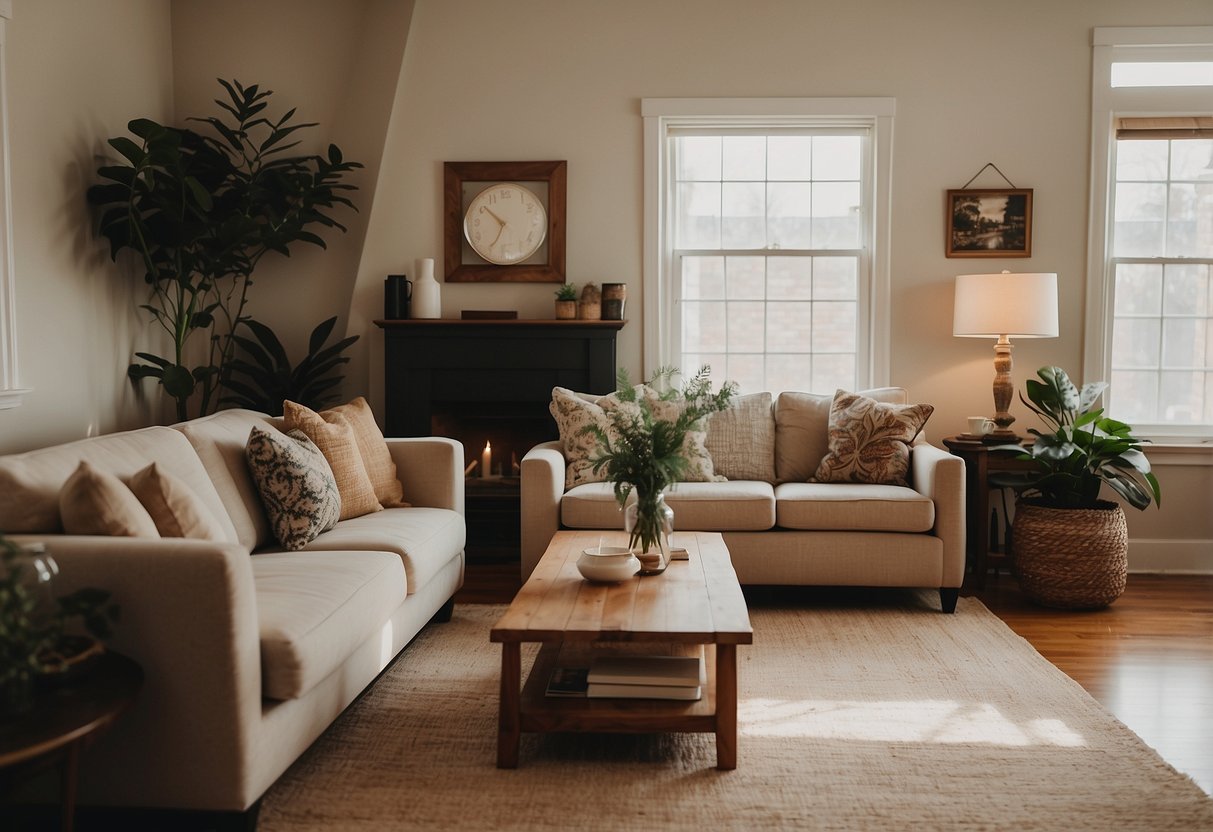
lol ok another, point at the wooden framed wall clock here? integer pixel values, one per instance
(504, 222)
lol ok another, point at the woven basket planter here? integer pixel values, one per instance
(1070, 558)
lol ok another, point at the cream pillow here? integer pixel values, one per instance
(297, 486)
(96, 502)
(374, 451)
(802, 428)
(869, 441)
(173, 506)
(741, 439)
(334, 435)
(573, 412)
(699, 467)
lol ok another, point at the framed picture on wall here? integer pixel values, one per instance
(994, 222)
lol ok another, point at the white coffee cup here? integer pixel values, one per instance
(980, 425)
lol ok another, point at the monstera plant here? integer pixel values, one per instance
(200, 210)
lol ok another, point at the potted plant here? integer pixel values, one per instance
(200, 211)
(1069, 547)
(35, 641)
(566, 302)
(643, 451)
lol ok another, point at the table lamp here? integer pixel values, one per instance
(1005, 306)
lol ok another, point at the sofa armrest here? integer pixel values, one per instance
(542, 485)
(189, 618)
(941, 476)
(431, 470)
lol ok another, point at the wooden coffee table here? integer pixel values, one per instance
(695, 602)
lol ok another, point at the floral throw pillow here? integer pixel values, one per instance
(869, 441)
(572, 413)
(699, 467)
(296, 484)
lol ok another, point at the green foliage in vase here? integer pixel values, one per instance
(643, 450)
(30, 628)
(567, 292)
(1082, 451)
(260, 376)
(200, 211)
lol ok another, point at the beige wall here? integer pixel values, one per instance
(77, 72)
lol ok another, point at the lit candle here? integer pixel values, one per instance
(486, 460)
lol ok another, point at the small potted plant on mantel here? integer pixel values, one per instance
(1069, 548)
(566, 302)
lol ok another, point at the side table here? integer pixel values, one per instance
(980, 461)
(64, 721)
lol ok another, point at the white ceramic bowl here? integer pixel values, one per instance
(607, 563)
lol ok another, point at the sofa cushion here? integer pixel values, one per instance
(870, 440)
(334, 435)
(219, 441)
(296, 485)
(175, 509)
(741, 439)
(425, 539)
(802, 427)
(97, 502)
(852, 507)
(736, 505)
(315, 608)
(30, 482)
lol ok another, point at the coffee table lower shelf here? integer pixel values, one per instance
(540, 713)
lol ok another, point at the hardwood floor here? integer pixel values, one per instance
(1148, 658)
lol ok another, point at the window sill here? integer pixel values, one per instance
(1172, 450)
(11, 398)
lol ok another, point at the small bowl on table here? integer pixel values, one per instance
(607, 564)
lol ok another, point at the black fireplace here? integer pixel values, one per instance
(487, 383)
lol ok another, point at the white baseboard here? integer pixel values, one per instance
(1180, 557)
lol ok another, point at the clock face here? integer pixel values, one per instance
(505, 223)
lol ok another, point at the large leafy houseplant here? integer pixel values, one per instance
(643, 449)
(200, 210)
(1082, 450)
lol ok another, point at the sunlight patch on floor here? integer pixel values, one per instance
(927, 721)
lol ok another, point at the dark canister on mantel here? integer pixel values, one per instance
(613, 297)
(397, 292)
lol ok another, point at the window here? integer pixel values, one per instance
(763, 254)
(10, 394)
(1151, 272)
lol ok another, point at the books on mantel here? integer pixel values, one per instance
(646, 677)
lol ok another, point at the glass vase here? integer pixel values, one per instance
(649, 523)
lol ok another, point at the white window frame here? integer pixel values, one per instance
(1120, 45)
(11, 392)
(660, 114)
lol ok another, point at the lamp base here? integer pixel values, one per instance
(1001, 436)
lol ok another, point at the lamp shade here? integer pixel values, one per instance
(1015, 305)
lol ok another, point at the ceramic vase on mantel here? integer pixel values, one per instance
(649, 523)
(427, 294)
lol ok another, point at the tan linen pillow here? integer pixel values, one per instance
(96, 502)
(173, 506)
(334, 435)
(296, 485)
(741, 439)
(802, 428)
(870, 440)
(374, 451)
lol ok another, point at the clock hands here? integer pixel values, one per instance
(493, 214)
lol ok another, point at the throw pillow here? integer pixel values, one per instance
(802, 429)
(573, 412)
(173, 506)
(741, 439)
(869, 441)
(96, 502)
(699, 467)
(373, 448)
(336, 439)
(297, 486)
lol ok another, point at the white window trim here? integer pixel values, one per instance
(1111, 44)
(660, 113)
(11, 393)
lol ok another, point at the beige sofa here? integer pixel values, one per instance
(782, 530)
(246, 659)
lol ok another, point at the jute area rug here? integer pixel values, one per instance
(888, 716)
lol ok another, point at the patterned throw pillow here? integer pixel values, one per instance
(870, 440)
(699, 467)
(572, 412)
(174, 507)
(296, 485)
(741, 439)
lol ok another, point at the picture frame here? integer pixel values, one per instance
(988, 222)
(463, 181)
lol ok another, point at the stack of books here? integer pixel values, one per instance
(646, 677)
